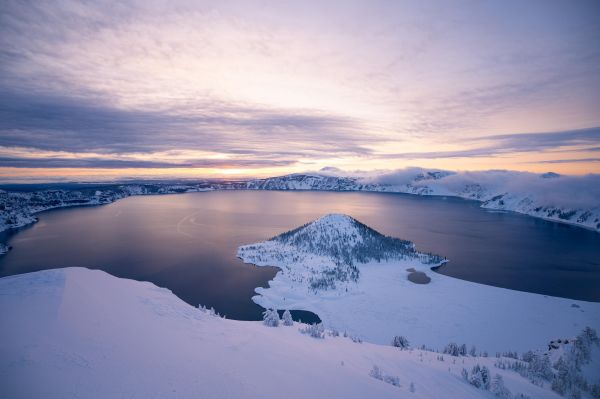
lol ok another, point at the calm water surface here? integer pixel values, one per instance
(188, 242)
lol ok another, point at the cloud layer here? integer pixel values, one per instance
(280, 86)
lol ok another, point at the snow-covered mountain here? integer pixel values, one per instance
(334, 246)
(301, 181)
(567, 199)
(359, 280)
(63, 337)
(346, 240)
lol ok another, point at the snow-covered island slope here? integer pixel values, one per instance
(331, 249)
(75, 332)
(566, 199)
(356, 280)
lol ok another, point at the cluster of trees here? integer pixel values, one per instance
(314, 330)
(401, 342)
(210, 311)
(509, 354)
(568, 378)
(453, 349)
(565, 375)
(326, 279)
(479, 377)
(360, 244)
(271, 318)
(390, 379)
(498, 388)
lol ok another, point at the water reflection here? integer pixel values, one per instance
(188, 242)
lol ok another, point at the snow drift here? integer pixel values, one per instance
(75, 332)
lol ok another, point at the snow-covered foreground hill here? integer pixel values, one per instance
(382, 302)
(78, 333)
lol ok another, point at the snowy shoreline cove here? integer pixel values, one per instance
(76, 332)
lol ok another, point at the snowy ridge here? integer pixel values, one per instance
(68, 339)
(301, 181)
(565, 199)
(374, 298)
(334, 246)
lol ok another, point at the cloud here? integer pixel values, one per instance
(58, 123)
(24, 162)
(575, 160)
(585, 139)
(569, 191)
(541, 141)
(294, 82)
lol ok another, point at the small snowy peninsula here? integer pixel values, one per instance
(358, 280)
(78, 333)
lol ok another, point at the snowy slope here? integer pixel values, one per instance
(330, 249)
(382, 302)
(74, 332)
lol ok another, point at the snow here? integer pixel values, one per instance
(383, 303)
(565, 199)
(74, 332)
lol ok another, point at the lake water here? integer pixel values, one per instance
(188, 242)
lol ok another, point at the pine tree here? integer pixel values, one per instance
(465, 374)
(498, 388)
(475, 380)
(473, 351)
(287, 318)
(271, 318)
(401, 342)
(485, 377)
(452, 349)
(376, 373)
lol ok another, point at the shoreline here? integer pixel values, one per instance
(433, 195)
(421, 310)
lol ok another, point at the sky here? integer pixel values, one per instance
(157, 89)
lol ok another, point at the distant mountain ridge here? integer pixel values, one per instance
(302, 181)
(548, 196)
(565, 199)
